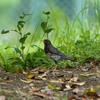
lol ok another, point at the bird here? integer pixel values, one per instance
(53, 53)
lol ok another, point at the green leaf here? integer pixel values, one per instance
(23, 47)
(4, 32)
(28, 33)
(17, 61)
(22, 40)
(20, 25)
(49, 30)
(21, 22)
(46, 13)
(16, 49)
(19, 28)
(21, 17)
(44, 26)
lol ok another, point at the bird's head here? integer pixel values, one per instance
(47, 42)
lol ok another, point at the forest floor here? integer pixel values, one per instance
(81, 83)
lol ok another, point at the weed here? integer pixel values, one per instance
(19, 60)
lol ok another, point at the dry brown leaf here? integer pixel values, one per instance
(43, 75)
(80, 83)
(41, 71)
(40, 94)
(64, 79)
(36, 69)
(88, 74)
(74, 79)
(57, 81)
(75, 91)
(33, 89)
(24, 72)
(68, 87)
(26, 80)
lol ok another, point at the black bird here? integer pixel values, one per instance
(53, 53)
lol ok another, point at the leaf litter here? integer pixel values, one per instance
(41, 84)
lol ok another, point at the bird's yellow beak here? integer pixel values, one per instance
(42, 40)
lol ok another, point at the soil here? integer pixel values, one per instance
(41, 84)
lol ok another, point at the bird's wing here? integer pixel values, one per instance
(53, 50)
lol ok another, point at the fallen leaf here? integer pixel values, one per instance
(42, 95)
(81, 83)
(75, 91)
(68, 87)
(74, 79)
(41, 71)
(43, 75)
(52, 87)
(78, 83)
(26, 81)
(64, 79)
(33, 89)
(24, 72)
(57, 81)
(36, 69)
(31, 76)
(88, 74)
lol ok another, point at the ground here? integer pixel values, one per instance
(40, 84)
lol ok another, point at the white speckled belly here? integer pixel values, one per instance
(54, 57)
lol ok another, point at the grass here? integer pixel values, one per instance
(78, 39)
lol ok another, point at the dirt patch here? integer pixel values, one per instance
(48, 85)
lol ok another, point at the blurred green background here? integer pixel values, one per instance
(11, 9)
(76, 26)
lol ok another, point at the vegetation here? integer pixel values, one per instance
(78, 39)
(24, 68)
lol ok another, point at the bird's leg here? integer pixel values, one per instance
(55, 68)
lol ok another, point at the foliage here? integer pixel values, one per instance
(46, 28)
(20, 59)
(78, 39)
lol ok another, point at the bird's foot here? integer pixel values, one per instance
(55, 69)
